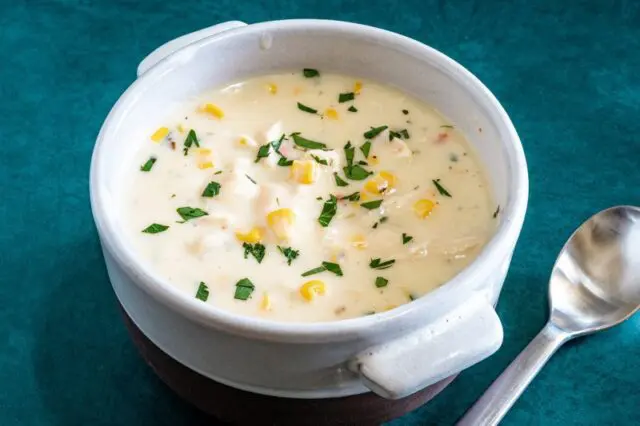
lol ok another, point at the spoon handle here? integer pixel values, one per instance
(507, 388)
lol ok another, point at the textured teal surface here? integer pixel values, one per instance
(567, 72)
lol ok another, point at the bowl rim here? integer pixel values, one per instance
(498, 247)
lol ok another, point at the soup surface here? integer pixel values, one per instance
(307, 197)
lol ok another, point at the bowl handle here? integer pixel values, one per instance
(461, 338)
(180, 42)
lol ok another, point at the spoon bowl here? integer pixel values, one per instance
(594, 285)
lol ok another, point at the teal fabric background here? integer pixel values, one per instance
(567, 72)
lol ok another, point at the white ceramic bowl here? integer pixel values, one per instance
(394, 353)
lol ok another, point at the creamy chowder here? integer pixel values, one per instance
(307, 196)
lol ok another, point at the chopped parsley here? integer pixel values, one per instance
(289, 253)
(263, 152)
(284, 162)
(256, 250)
(305, 108)
(339, 180)
(356, 172)
(326, 266)
(365, 148)
(379, 264)
(406, 238)
(320, 160)
(310, 73)
(405, 111)
(453, 157)
(400, 134)
(155, 228)
(219, 172)
(148, 165)
(352, 109)
(352, 197)
(328, 210)
(191, 139)
(375, 131)
(497, 212)
(212, 189)
(440, 188)
(447, 126)
(381, 282)
(244, 288)
(188, 213)
(249, 177)
(383, 219)
(346, 97)
(349, 153)
(371, 204)
(306, 143)
(203, 292)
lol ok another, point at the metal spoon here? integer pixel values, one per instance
(594, 285)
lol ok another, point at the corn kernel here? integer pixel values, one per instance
(373, 160)
(331, 113)
(357, 87)
(243, 141)
(213, 110)
(160, 134)
(272, 88)
(205, 165)
(359, 241)
(381, 183)
(311, 289)
(280, 222)
(255, 235)
(423, 208)
(180, 128)
(265, 303)
(203, 151)
(303, 171)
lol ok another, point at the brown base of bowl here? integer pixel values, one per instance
(245, 408)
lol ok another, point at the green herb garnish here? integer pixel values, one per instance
(333, 267)
(155, 228)
(352, 109)
(497, 212)
(346, 97)
(328, 210)
(219, 172)
(256, 250)
(365, 148)
(412, 297)
(310, 73)
(400, 134)
(339, 180)
(440, 188)
(148, 165)
(379, 264)
(263, 152)
(356, 172)
(305, 108)
(320, 160)
(352, 197)
(453, 157)
(326, 266)
(188, 213)
(212, 189)
(383, 219)
(191, 139)
(447, 126)
(289, 253)
(284, 162)
(381, 282)
(244, 288)
(371, 204)
(203, 292)
(314, 271)
(307, 143)
(375, 131)
(349, 153)
(406, 238)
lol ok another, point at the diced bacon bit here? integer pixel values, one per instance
(172, 144)
(442, 137)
